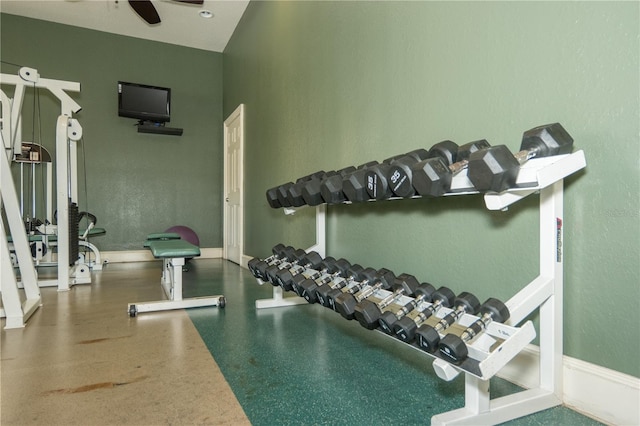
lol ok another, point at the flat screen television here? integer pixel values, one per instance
(143, 102)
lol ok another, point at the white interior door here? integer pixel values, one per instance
(233, 182)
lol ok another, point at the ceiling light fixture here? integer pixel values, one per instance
(205, 14)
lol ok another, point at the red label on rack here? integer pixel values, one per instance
(558, 240)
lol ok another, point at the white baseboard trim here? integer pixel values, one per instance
(598, 392)
(211, 253)
(145, 255)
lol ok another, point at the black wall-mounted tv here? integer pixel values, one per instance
(143, 102)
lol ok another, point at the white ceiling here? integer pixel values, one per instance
(181, 23)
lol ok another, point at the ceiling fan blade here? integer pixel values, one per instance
(191, 1)
(146, 10)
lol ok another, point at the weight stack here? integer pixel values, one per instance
(73, 233)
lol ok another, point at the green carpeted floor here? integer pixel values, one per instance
(307, 365)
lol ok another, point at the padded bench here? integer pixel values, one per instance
(173, 251)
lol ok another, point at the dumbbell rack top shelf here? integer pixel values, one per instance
(544, 293)
(534, 175)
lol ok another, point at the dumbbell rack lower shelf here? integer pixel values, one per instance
(502, 342)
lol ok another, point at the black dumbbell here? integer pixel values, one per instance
(282, 194)
(428, 337)
(354, 284)
(301, 282)
(288, 254)
(432, 177)
(354, 274)
(345, 303)
(331, 188)
(367, 312)
(278, 252)
(347, 275)
(277, 196)
(335, 272)
(312, 190)
(290, 194)
(320, 174)
(355, 277)
(354, 185)
(288, 262)
(496, 169)
(284, 277)
(400, 172)
(405, 328)
(454, 348)
(294, 192)
(377, 184)
(389, 317)
(272, 198)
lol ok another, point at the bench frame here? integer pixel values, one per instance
(171, 282)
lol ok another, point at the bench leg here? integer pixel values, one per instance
(171, 283)
(172, 278)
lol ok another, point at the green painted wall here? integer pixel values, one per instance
(331, 84)
(136, 183)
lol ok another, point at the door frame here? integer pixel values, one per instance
(237, 113)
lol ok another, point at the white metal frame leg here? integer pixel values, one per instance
(551, 263)
(13, 308)
(172, 278)
(544, 292)
(96, 264)
(171, 282)
(278, 300)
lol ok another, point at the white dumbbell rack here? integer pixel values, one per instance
(502, 342)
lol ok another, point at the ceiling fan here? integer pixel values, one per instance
(147, 11)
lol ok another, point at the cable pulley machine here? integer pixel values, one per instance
(68, 133)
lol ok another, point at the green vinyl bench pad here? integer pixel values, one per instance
(166, 249)
(161, 236)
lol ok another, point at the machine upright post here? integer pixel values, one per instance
(62, 202)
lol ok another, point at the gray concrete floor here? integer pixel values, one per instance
(82, 361)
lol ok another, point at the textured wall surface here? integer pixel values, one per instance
(135, 183)
(331, 84)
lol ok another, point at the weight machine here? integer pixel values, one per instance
(43, 236)
(68, 132)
